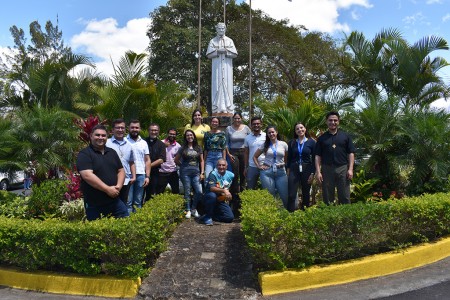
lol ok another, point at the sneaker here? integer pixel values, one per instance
(206, 220)
(195, 213)
(188, 214)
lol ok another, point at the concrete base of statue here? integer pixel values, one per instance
(226, 119)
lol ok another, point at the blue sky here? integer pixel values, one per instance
(105, 29)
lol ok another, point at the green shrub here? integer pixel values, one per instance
(121, 247)
(72, 210)
(46, 198)
(12, 205)
(279, 239)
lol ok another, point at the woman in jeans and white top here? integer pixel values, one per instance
(300, 166)
(236, 134)
(273, 172)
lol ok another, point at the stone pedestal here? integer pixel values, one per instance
(226, 119)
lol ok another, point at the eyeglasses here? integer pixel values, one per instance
(172, 134)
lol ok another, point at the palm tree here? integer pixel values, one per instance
(418, 82)
(389, 64)
(376, 129)
(129, 94)
(426, 136)
(46, 137)
(370, 63)
(48, 84)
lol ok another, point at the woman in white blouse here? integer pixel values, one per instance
(273, 172)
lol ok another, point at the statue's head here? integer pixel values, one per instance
(220, 29)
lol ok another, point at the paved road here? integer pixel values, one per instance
(427, 282)
(430, 282)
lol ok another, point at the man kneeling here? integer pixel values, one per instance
(218, 196)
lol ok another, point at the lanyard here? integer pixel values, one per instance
(274, 150)
(300, 149)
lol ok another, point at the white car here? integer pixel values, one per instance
(6, 183)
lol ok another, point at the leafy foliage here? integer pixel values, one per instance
(279, 239)
(46, 199)
(122, 247)
(46, 137)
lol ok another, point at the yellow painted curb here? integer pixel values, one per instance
(102, 286)
(276, 282)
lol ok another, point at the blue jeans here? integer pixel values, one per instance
(276, 183)
(116, 209)
(219, 211)
(252, 177)
(191, 177)
(211, 162)
(136, 193)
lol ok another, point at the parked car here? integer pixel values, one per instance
(7, 182)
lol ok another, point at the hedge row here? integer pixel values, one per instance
(279, 239)
(122, 247)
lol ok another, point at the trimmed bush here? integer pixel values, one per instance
(121, 247)
(279, 239)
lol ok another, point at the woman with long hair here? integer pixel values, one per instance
(197, 126)
(300, 166)
(215, 146)
(236, 134)
(192, 166)
(273, 172)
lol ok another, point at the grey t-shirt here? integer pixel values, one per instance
(190, 158)
(236, 138)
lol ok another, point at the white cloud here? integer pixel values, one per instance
(106, 41)
(434, 1)
(441, 103)
(413, 19)
(317, 15)
(446, 18)
(355, 15)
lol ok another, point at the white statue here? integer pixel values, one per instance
(221, 51)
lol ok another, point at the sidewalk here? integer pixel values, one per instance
(203, 262)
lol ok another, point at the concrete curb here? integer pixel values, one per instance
(102, 286)
(276, 282)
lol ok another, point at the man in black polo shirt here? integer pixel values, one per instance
(102, 177)
(336, 154)
(157, 157)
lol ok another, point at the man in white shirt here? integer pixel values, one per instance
(142, 162)
(252, 142)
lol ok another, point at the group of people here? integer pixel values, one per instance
(120, 173)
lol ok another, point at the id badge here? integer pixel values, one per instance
(274, 168)
(300, 168)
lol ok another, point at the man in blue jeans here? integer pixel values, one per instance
(217, 196)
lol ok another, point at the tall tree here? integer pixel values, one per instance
(390, 64)
(284, 57)
(39, 72)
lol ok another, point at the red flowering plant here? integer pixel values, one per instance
(74, 189)
(86, 126)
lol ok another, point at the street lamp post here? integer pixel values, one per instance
(250, 62)
(199, 53)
